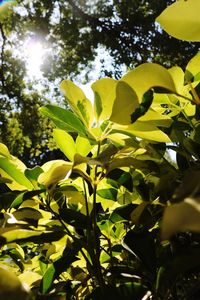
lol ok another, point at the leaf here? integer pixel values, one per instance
(32, 175)
(62, 264)
(64, 119)
(83, 146)
(137, 212)
(4, 151)
(28, 214)
(74, 218)
(65, 143)
(78, 101)
(143, 130)
(122, 213)
(184, 216)
(193, 67)
(125, 291)
(156, 119)
(14, 172)
(54, 171)
(123, 178)
(16, 234)
(110, 194)
(147, 76)
(142, 245)
(105, 93)
(125, 104)
(11, 286)
(181, 20)
(24, 196)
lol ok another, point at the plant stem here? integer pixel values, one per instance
(95, 230)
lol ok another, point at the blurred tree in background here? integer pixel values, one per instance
(84, 40)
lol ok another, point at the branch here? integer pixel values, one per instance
(2, 56)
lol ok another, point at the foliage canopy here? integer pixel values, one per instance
(112, 219)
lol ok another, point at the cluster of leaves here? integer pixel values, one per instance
(75, 32)
(89, 226)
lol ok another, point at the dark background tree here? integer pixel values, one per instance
(74, 31)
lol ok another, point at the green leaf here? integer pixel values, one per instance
(142, 245)
(54, 171)
(193, 68)
(28, 214)
(105, 94)
(78, 101)
(83, 146)
(147, 76)
(110, 194)
(65, 143)
(143, 130)
(64, 119)
(125, 291)
(14, 172)
(156, 119)
(62, 264)
(74, 218)
(125, 104)
(122, 213)
(24, 196)
(4, 151)
(32, 174)
(16, 234)
(181, 20)
(123, 178)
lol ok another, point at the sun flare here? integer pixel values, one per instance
(35, 55)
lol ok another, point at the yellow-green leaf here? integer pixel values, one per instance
(156, 119)
(193, 67)
(125, 104)
(83, 146)
(11, 287)
(181, 20)
(54, 171)
(4, 151)
(149, 75)
(65, 142)
(78, 101)
(105, 93)
(143, 130)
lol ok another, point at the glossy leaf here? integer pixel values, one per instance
(64, 119)
(54, 171)
(181, 20)
(65, 143)
(78, 101)
(143, 130)
(28, 214)
(14, 172)
(105, 93)
(74, 218)
(142, 245)
(25, 196)
(125, 104)
(147, 76)
(60, 265)
(193, 67)
(83, 146)
(4, 151)
(17, 234)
